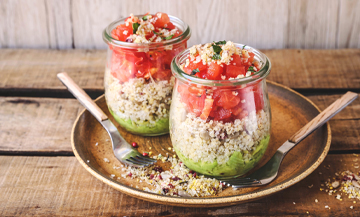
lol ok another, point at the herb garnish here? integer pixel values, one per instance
(220, 42)
(169, 37)
(156, 33)
(217, 49)
(244, 47)
(251, 69)
(193, 72)
(216, 57)
(135, 27)
(145, 18)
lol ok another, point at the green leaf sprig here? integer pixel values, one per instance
(220, 42)
(146, 17)
(251, 69)
(135, 27)
(217, 49)
(193, 72)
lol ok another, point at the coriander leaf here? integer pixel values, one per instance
(217, 49)
(193, 72)
(156, 33)
(220, 42)
(244, 47)
(145, 18)
(135, 27)
(216, 57)
(169, 37)
(251, 69)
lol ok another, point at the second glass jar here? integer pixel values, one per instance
(235, 134)
(138, 80)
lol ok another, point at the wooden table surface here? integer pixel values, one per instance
(39, 174)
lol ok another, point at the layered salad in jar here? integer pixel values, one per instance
(220, 112)
(138, 79)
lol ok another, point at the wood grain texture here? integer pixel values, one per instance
(23, 24)
(299, 69)
(259, 23)
(52, 186)
(349, 27)
(82, 97)
(345, 126)
(325, 115)
(37, 124)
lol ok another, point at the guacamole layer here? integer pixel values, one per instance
(236, 166)
(143, 128)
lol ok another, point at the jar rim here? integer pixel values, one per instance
(259, 75)
(176, 21)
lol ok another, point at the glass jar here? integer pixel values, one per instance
(233, 139)
(138, 80)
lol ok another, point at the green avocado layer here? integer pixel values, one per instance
(236, 166)
(143, 128)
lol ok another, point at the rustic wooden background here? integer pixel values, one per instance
(275, 24)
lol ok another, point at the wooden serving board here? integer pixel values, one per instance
(290, 111)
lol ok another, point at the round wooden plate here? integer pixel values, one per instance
(290, 111)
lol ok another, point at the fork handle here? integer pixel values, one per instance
(82, 97)
(323, 117)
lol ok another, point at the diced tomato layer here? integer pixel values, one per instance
(122, 32)
(161, 19)
(222, 114)
(234, 71)
(207, 108)
(192, 66)
(226, 103)
(214, 71)
(228, 99)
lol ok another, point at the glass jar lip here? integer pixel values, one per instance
(176, 21)
(259, 75)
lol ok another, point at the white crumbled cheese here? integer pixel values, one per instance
(112, 175)
(146, 27)
(206, 54)
(88, 161)
(106, 160)
(97, 144)
(316, 200)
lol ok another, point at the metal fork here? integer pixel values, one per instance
(269, 171)
(123, 151)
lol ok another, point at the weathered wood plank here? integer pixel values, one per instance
(23, 24)
(39, 125)
(279, 24)
(345, 126)
(312, 24)
(59, 24)
(349, 27)
(299, 69)
(60, 186)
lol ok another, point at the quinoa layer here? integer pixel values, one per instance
(138, 101)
